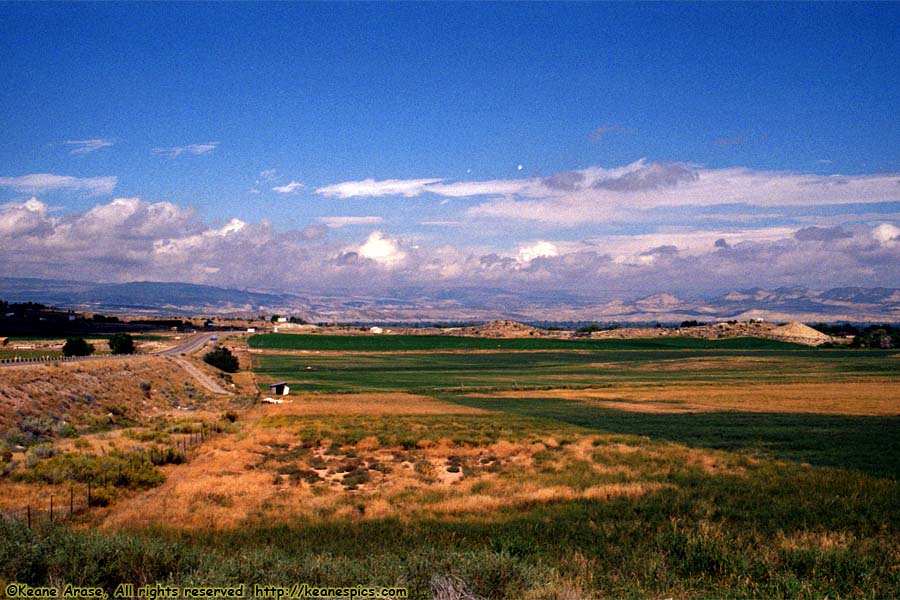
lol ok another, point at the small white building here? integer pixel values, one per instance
(376, 330)
(282, 319)
(279, 388)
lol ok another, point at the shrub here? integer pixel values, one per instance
(102, 496)
(222, 358)
(5, 453)
(77, 347)
(121, 343)
(116, 468)
(355, 477)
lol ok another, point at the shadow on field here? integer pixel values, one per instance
(869, 444)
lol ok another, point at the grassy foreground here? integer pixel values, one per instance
(599, 472)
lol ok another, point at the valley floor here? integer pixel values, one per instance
(573, 472)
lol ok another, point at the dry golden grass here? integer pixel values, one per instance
(233, 479)
(537, 494)
(368, 404)
(876, 398)
(808, 540)
(215, 471)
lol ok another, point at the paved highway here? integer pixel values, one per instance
(191, 344)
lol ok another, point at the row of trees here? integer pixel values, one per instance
(120, 343)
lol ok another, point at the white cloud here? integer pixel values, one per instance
(39, 183)
(537, 250)
(597, 195)
(26, 218)
(88, 146)
(288, 188)
(131, 239)
(336, 222)
(382, 250)
(177, 151)
(268, 175)
(886, 234)
(371, 188)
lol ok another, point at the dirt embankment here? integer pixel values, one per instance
(797, 333)
(56, 394)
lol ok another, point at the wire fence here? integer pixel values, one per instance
(30, 360)
(81, 497)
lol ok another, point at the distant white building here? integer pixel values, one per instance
(376, 330)
(279, 388)
(282, 319)
(251, 330)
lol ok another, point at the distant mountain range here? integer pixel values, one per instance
(471, 304)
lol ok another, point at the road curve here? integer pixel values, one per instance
(188, 346)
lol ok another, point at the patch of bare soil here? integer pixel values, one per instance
(707, 364)
(799, 333)
(500, 329)
(72, 392)
(367, 404)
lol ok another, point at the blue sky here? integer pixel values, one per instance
(514, 145)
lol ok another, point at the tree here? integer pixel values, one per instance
(77, 347)
(878, 336)
(222, 358)
(121, 343)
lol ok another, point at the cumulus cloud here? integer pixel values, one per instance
(822, 234)
(336, 222)
(665, 250)
(88, 146)
(40, 183)
(132, 239)
(382, 250)
(26, 219)
(886, 234)
(176, 151)
(289, 188)
(538, 249)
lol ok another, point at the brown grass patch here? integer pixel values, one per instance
(809, 540)
(875, 398)
(369, 404)
(533, 494)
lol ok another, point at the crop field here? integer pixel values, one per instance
(526, 468)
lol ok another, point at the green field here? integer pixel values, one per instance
(436, 370)
(397, 343)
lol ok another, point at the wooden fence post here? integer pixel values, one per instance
(29, 516)
(51, 508)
